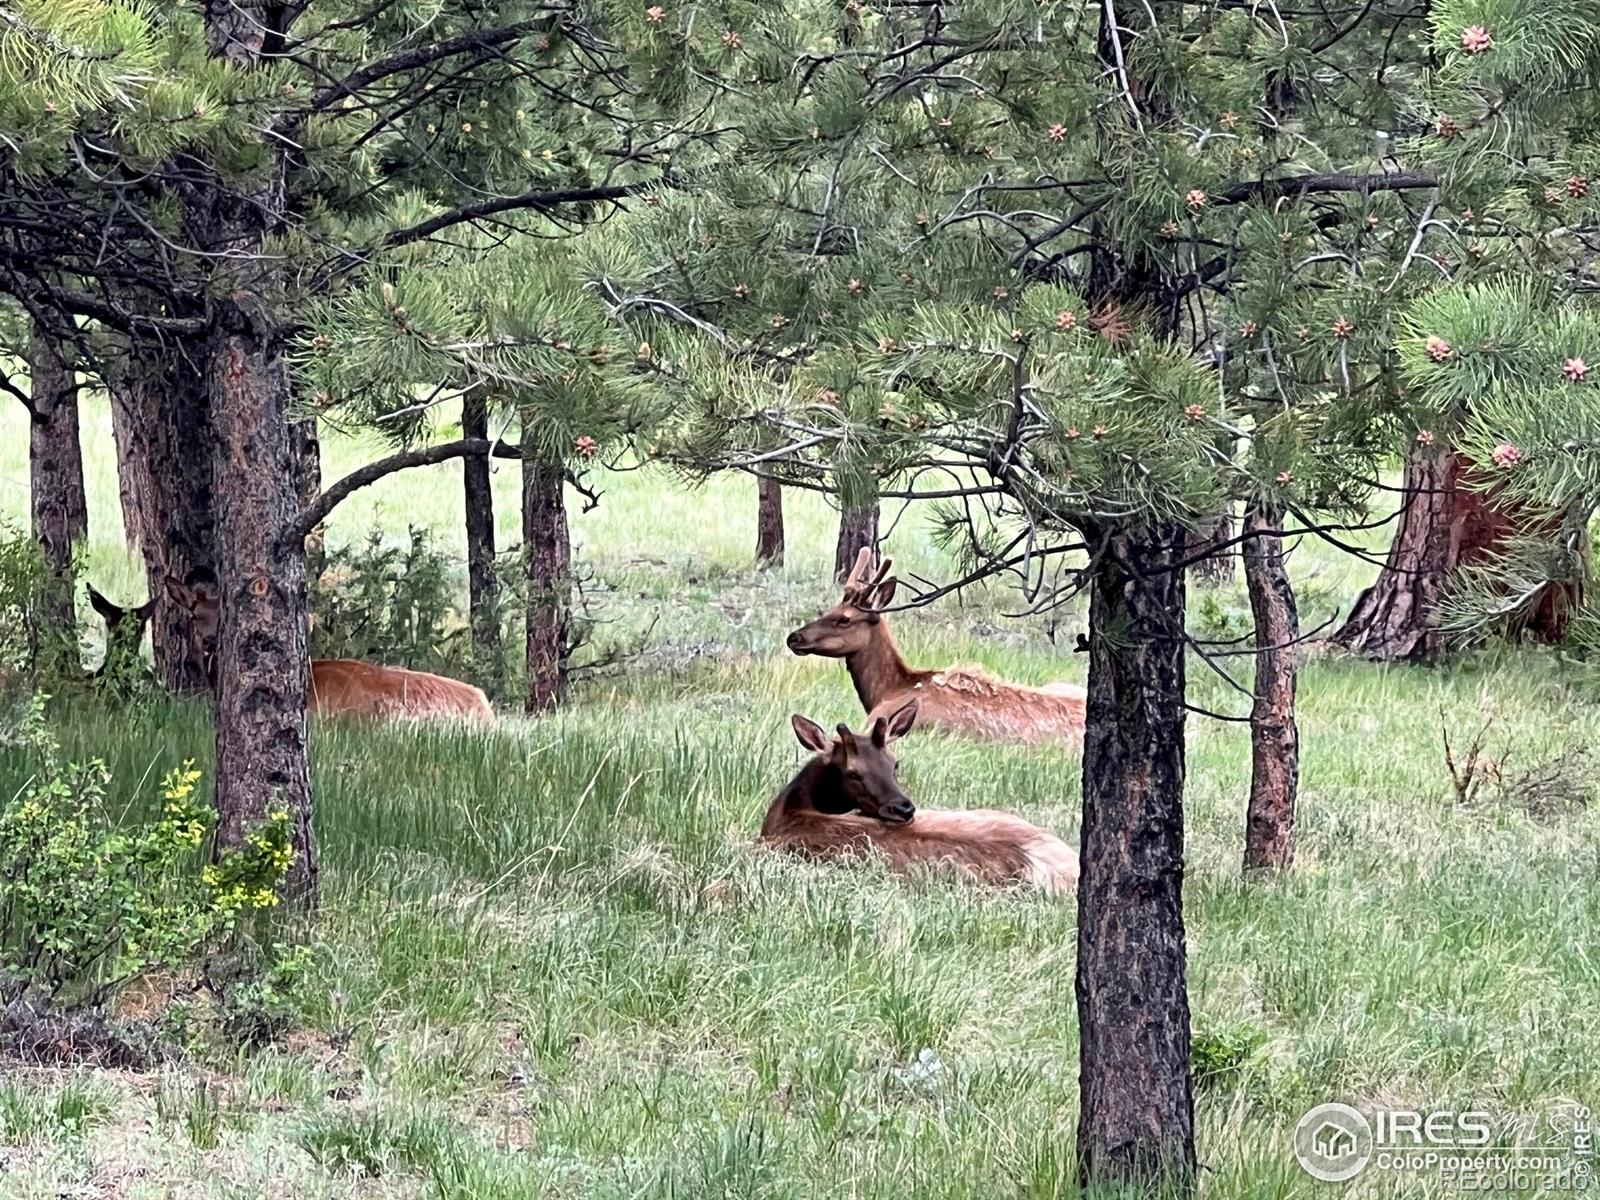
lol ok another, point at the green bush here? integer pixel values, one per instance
(90, 905)
(387, 603)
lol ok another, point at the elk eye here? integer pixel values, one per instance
(841, 621)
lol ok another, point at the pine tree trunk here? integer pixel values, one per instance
(858, 527)
(263, 665)
(163, 423)
(55, 457)
(262, 657)
(306, 449)
(136, 489)
(1443, 526)
(769, 522)
(1136, 1115)
(548, 557)
(483, 591)
(1274, 738)
(1217, 568)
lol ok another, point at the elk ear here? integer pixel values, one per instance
(885, 593)
(111, 612)
(181, 595)
(896, 725)
(145, 610)
(810, 734)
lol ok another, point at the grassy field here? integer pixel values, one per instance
(551, 963)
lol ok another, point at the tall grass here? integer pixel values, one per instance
(553, 964)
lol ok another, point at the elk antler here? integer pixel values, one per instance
(867, 600)
(863, 561)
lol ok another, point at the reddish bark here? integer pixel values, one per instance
(1443, 526)
(1274, 737)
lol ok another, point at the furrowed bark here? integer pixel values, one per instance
(1136, 1120)
(858, 527)
(1274, 737)
(262, 665)
(60, 511)
(130, 430)
(306, 452)
(769, 522)
(1444, 525)
(163, 423)
(483, 590)
(547, 555)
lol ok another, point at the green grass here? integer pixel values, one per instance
(553, 965)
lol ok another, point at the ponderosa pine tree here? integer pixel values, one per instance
(259, 157)
(1055, 255)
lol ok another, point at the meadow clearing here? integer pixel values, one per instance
(550, 963)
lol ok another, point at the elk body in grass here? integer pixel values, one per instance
(958, 699)
(846, 802)
(342, 687)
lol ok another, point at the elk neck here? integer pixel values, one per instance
(878, 671)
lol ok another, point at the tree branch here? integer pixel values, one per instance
(410, 60)
(317, 512)
(538, 201)
(1333, 181)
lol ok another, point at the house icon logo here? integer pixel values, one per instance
(1333, 1142)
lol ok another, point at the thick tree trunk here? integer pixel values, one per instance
(858, 527)
(263, 666)
(262, 658)
(163, 428)
(136, 488)
(1136, 1116)
(1217, 567)
(1274, 737)
(55, 457)
(483, 591)
(1443, 526)
(548, 556)
(769, 522)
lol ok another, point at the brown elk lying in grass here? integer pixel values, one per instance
(960, 699)
(340, 687)
(846, 801)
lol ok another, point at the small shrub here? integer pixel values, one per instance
(387, 603)
(1219, 1054)
(92, 905)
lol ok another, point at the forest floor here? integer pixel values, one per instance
(550, 962)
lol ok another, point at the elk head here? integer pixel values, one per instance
(848, 627)
(124, 632)
(861, 775)
(200, 596)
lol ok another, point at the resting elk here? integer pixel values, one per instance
(339, 687)
(846, 801)
(959, 700)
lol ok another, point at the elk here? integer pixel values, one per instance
(846, 801)
(124, 631)
(339, 687)
(959, 699)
